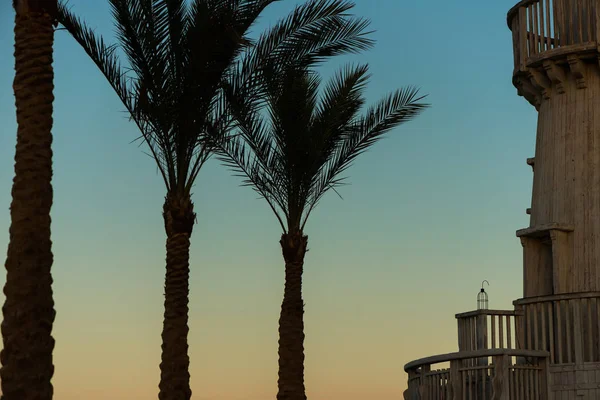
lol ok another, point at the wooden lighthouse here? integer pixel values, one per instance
(548, 346)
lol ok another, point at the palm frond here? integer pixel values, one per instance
(235, 155)
(401, 106)
(104, 57)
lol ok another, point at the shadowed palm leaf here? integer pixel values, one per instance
(292, 149)
(181, 59)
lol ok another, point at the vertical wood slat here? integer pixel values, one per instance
(523, 38)
(548, 30)
(597, 315)
(551, 325)
(493, 321)
(473, 335)
(555, 24)
(542, 312)
(463, 378)
(595, 15)
(536, 343)
(590, 13)
(589, 333)
(559, 336)
(509, 332)
(483, 380)
(535, 30)
(540, 25)
(565, 34)
(565, 306)
(500, 331)
(521, 384)
(577, 332)
(593, 20)
(531, 34)
(528, 332)
(579, 18)
(516, 43)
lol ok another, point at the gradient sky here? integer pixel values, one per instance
(431, 211)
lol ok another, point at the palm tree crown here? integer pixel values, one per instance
(294, 149)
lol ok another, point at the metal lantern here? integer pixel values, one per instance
(482, 298)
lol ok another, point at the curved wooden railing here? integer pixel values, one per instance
(512, 375)
(545, 28)
(567, 326)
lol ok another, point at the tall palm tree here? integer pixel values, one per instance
(181, 55)
(28, 310)
(292, 152)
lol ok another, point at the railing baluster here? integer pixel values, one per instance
(536, 36)
(590, 351)
(567, 312)
(493, 332)
(580, 11)
(597, 315)
(509, 331)
(535, 328)
(548, 30)
(559, 329)
(551, 326)
(543, 317)
(500, 331)
(528, 323)
(530, 35)
(555, 23)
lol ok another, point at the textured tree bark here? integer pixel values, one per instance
(291, 322)
(179, 219)
(28, 310)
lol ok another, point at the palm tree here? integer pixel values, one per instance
(28, 310)
(292, 152)
(181, 56)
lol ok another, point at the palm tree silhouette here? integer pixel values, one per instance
(28, 310)
(291, 149)
(181, 59)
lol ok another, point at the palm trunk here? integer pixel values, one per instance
(291, 322)
(28, 311)
(178, 213)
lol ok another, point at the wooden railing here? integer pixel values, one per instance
(503, 379)
(539, 26)
(567, 326)
(487, 329)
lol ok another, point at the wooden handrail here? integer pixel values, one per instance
(511, 13)
(462, 355)
(556, 297)
(475, 313)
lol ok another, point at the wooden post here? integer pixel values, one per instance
(597, 15)
(412, 393)
(481, 333)
(456, 380)
(423, 389)
(544, 363)
(523, 51)
(500, 382)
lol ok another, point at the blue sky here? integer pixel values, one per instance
(431, 211)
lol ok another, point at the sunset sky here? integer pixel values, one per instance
(431, 212)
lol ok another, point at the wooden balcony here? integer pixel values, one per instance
(511, 375)
(552, 30)
(487, 329)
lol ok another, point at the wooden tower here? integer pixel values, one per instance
(548, 347)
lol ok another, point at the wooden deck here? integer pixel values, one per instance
(548, 347)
